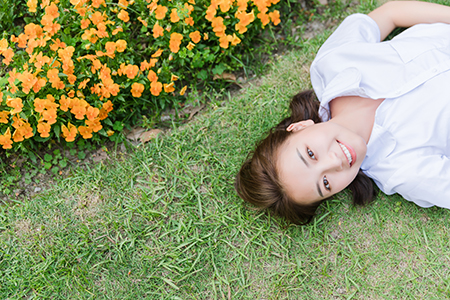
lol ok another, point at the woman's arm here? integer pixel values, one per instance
(408, 13)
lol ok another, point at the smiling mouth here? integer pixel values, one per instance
(349, 153)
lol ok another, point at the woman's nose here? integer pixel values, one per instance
(334, 162)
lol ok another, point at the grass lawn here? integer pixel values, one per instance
(164, 222)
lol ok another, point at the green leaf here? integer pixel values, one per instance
(118, 126)
(63, 163)
(55, 170)
(203, 74)
(48, 157)
(81, 155)
(219, 69)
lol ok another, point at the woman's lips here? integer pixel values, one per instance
(349, 152)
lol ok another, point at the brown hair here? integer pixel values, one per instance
(257, 181)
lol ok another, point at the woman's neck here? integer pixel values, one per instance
(355, 113)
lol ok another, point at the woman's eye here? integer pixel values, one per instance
(310, 153)
(326, 184)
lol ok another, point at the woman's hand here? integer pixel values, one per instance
(408, 13)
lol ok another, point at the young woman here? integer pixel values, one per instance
(384, 112)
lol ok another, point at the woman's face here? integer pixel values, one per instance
(319, 160)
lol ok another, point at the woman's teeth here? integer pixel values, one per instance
(347, 153)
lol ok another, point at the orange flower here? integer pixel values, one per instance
(40, 83)
(53, 77)
(5, 140)
(275, 17)
(41, 60)
(137, 89)
(39, 105)
(183, 90)
(97, 3)
(152, 76)
(82, 84)
(156, 88)
(57, 44)
(108, 106)
(225, 40)
(174, 16)
(101, 31)
(65, 103)
(175, 41)
(92, 113)
(13, 75)
(44, 129)
(169, 88)
(85, 132)
(123, 3)
(157, 53)
(218, 27)
(190, 46)
(8, 54)
(210, 13)
(49, 116)
(242, 5)
(189, 21)
(17, 136)
(143, 21)
(153, 62)
(110, 48)
(32, 5)
(85, 23)
(26, 130)
(121, 45)
(131, 71)
(15, 103)
(28, 80)
(96, 18)
(94, 125)
(145, 66)
(174, 78)
(52, 11)
(79, 111)
(117, 30)
(69, 132)
(3, 45)
(225, 5)
(157, 30)
(17, 121)
(244, 20)
(4, 117)
(264, 18)
(123, 15)
(160, 12)
(103, 114)
(195, 36)
(235, 40)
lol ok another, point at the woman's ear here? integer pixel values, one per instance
(299, 125)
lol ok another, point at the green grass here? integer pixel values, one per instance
(164, 222)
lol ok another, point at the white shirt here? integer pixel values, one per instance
(409, 148)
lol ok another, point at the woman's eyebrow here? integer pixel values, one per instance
(301, 156)
(319, 191)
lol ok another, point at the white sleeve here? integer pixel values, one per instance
(425, 181)
(355, 28)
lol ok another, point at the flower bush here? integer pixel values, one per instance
(81, 66)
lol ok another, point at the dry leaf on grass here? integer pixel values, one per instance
(134, 134)
(195, 110)
(148, 135)
(226, 76)
(100, 155)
